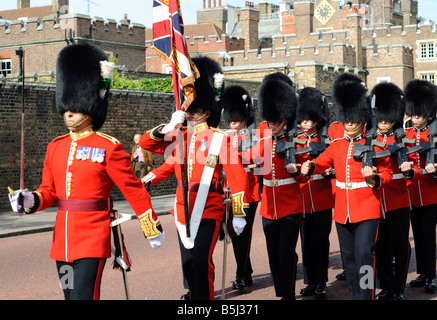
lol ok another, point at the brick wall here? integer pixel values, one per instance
(129, 113)
(42, 40)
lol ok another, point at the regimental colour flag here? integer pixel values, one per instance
(170, 45)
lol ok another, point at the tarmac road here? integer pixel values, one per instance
(27, 272)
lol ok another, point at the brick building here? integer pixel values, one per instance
(314, 40)
(43, 31)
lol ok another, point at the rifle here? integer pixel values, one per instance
(288, 148)
(429, 146)
(398, 148)
(364, 152)
(318, 147)
(251, 141)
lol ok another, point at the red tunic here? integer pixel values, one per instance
(253, 191)
(358, 204)
(67, 175)
(394, 195)
(229, 161)
(422, 190)
(317, 192)
(277, 200)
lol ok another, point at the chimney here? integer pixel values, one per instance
(304, 13)
(249, 21)
(21, 4)
(61, 6)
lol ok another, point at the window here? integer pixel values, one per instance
(5, 66)
(426, 50)
(428, 77)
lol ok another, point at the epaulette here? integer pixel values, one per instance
(219, 131)
(108, 137)
(61, 137)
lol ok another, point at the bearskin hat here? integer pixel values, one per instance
(389, 102)
(277, 98)
(78, 82)
(312, 105)
(208, 92)
(237, 105)
(350, 101)
(421, 98)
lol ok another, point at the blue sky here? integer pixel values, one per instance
(140, 11)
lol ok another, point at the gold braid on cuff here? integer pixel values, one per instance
(149, 225)
(238, 205)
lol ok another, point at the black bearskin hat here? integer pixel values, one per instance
(78, 82)
(389, 102)
(350, 101)
(207, 92)
(237, 105)
(312, 105)
(277, 98)
(421, 98)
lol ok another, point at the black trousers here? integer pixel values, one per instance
(80, 279)
(393, 241)
(197, 264)
(241, 244)
(316, 228)
(281, 239)
(423, 224)
(357, 244)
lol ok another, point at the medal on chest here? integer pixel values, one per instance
(98, 155)
(83, 153)
(203, 144)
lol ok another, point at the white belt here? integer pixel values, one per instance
(278, 182)
(315, 177)
(202, 193)
(351, 185)
(398, 176)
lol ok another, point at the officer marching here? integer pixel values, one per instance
(357, 204)
(238, 113)
(313, 118)
(208, 152)
(281, 201)
(80, 171)
(421, 105)
(393, 237)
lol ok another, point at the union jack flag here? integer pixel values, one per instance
(170, 45)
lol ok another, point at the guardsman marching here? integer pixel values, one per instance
(208, 152)
(238, 113)
(421, 105)
(357, 205)
(281, 201)
(393, 237)
(313, 118)
(80, 170)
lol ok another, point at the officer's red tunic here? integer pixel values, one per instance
(86, 234)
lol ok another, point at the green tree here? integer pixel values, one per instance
(142, 84)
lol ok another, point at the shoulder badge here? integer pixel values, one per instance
(108, 137)
(61, 137)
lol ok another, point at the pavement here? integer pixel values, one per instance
(13, 224)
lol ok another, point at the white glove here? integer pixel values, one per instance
(238, 223)
(28, 200)
(177, 118)
(155, 243)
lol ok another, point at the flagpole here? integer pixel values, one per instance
(20, 53)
